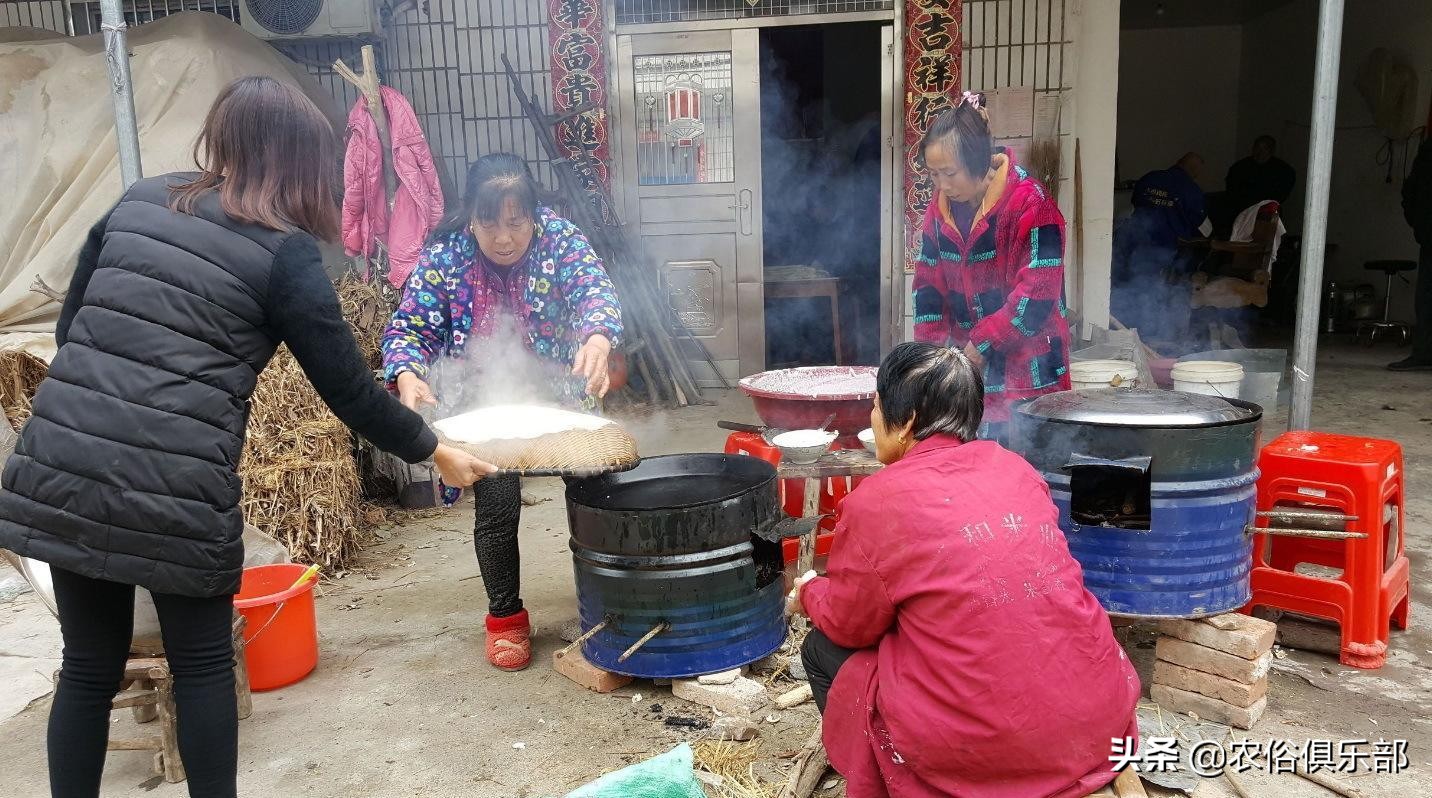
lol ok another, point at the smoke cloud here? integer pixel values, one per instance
(820, 161)
(500, 370)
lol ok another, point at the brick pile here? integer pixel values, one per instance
(1216, 668)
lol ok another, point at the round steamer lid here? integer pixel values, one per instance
(1136, 407)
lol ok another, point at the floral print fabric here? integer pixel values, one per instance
(555, 300)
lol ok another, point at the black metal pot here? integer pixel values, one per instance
(674, 544)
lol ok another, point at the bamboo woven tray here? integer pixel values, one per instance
(571, 452)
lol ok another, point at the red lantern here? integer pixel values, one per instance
(683, 114)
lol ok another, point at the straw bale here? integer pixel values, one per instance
(733, 763)
(368, 306)
(20, 375)
(300, 476)
(302, 483)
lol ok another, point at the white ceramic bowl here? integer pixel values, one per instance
(803, 446)
(867, 439)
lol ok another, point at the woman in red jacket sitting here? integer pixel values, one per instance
(955, 650)
(989, 277)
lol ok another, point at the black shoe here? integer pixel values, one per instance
(1410, 364)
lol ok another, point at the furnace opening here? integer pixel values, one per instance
(770, 563)
(1109, 495)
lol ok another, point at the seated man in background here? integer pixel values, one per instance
(1260, 176)
(1168, 208)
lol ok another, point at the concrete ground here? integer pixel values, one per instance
(403, 702)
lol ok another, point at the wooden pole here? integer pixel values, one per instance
(1079, 241)
(810, 766)
(588, 635)
(640, 296)
(1330, 783)
(1320, 534)
(811, 508)
(646, 638)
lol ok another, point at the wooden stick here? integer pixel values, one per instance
(1305, 515)
(795, 698)
(1237, 784)
(628, 268)
(172, 765)
(135, 699)
(1079, 231)
(1129, 785)
(1149, 351)
(39, 286)
(242, 692)
(646, 638)
(806, 560)
(685, 331)
(588, 635)
(1329, 783)
(1321, 534)
(810, 766)
(641, 368)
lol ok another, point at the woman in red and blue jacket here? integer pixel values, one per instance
(509, 303)
(990, 273)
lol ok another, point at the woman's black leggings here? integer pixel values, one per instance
(822, 660)
(494, 536)
(97, 626)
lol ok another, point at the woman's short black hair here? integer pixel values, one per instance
(491, 179)
(937, 386)
(965, 130)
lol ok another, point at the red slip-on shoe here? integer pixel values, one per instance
(509, 642)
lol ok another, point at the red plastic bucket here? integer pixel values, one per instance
(281, 634)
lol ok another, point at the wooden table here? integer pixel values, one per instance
(814, 288)
(834, 464)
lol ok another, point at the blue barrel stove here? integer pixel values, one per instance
(671, 557)
(1155, 491)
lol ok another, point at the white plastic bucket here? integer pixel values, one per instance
(1262, 372)
(1208, 377)
(1103, 374)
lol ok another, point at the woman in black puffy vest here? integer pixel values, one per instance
(127, 472)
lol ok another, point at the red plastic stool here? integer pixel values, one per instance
(1359, 477)
(792, 491)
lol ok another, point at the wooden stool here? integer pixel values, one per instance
(835, 464)
(148, 691)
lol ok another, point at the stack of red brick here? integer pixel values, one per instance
(1216, 668)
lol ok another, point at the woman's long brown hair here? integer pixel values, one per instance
(271, 155)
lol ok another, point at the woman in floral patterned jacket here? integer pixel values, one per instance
(516, 294)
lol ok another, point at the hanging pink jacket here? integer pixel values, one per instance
(418, 204)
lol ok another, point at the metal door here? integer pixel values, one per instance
(689, 108)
